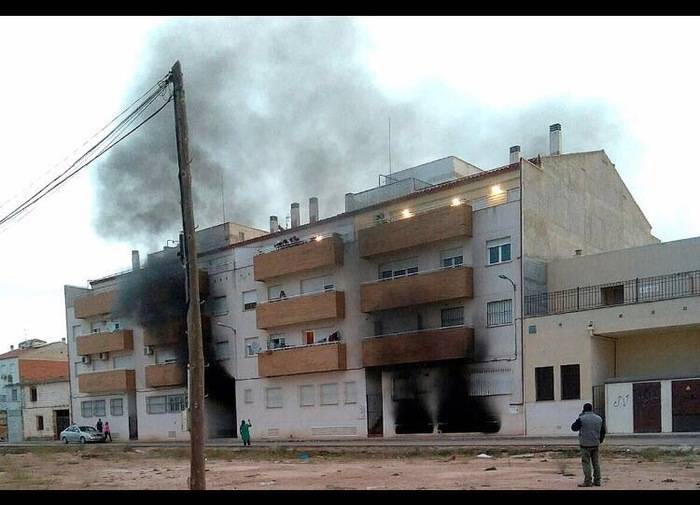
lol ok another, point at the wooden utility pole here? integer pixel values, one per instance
(194, 319)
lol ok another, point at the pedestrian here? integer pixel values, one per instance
(108, 431)
(245, 433)
(591, 432)
(99, 425)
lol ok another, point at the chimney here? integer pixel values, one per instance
(274, 224)
(555, 147)
(514, 154)
(12, 348)
(313, 209)
(135, 261)
(63, 340)
(295, 215)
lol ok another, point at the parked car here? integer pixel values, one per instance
(82, 434)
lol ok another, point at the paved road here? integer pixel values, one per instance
(679, 440)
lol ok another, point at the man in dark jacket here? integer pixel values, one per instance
(591, 432)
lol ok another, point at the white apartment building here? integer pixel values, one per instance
(401, 315)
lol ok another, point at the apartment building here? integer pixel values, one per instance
(619, 329)
(24, 376)
(124, 369)
(401, 315)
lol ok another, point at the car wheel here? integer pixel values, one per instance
(65, 440)
(82, 440)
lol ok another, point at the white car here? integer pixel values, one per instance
(82, 434)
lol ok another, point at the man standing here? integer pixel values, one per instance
(591, 432)
(99, 425)
(245, 432)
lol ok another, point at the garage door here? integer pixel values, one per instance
(646, 405)
(685, 405)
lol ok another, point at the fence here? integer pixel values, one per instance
(640, 290)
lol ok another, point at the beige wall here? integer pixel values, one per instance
(578, 201)
(662, 354)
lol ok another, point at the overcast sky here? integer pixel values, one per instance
(64, 78)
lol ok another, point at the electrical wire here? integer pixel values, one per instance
(113, 138)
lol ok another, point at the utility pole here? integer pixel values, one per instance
(194, 319)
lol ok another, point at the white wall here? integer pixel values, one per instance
(167, 426)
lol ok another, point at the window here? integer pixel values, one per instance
(250, 300)
(39, 423)
(499, 313)
(544, 383)
(350, 392)
(98, 408)
(32, 393)
(122, 362)
(155, 404)
(252, 347)
(248, 395)
(86, 409)
(317, 284)
(276, 342)
(452, 317)
(570, 382)
(222, 350)
(217, 305)
(176, 403)
(14, 395)
(498, 250)
(398, 269)
(273, 398)
(451, 257)
(116, 407)
(613, 295)
(165, 355)
(306, 395)
(275, 293)
(329, 394)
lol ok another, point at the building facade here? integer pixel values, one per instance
(404, 314)
(34, 363)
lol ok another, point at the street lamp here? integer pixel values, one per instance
(515, 326)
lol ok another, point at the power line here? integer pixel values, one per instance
(112, 138)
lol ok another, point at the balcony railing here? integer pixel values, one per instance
(311, 358)
(327, 304)
(631, 291)
(298, 256)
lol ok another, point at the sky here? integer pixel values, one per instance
(64, 78)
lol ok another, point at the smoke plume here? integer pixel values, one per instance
(283, 109)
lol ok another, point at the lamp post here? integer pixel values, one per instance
(515, 325)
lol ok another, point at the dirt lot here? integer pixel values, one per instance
(115, 467)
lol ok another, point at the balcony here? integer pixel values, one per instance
(301, 309)
(627, 292)
(456, 342)
(326, 357)
(427, 287)
(95, 304)
(110, 381)
(114, 341)
(299, 258)
(166, 374)
(419, 229)
(170, 333)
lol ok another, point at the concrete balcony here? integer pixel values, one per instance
(299, 258)
(95, 343)
(95, 304)
(419, 229)
(109, 381)
(436, 344)
(301, 309)
(166, 374)
(427, 287)
(326, 357)
(170, 333)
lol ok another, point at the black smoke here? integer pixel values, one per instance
(285, 108)
(155, 298)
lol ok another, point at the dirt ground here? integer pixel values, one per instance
(114, 467)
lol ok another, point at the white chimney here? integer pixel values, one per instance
(313, 209)
(555, 146)
(135, 261)
(295, 215)
(12, 348)
(274, 224)
(514, 154)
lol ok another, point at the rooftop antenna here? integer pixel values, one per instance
(389, 145)
(223, 206)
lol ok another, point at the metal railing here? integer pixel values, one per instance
(631, 291)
